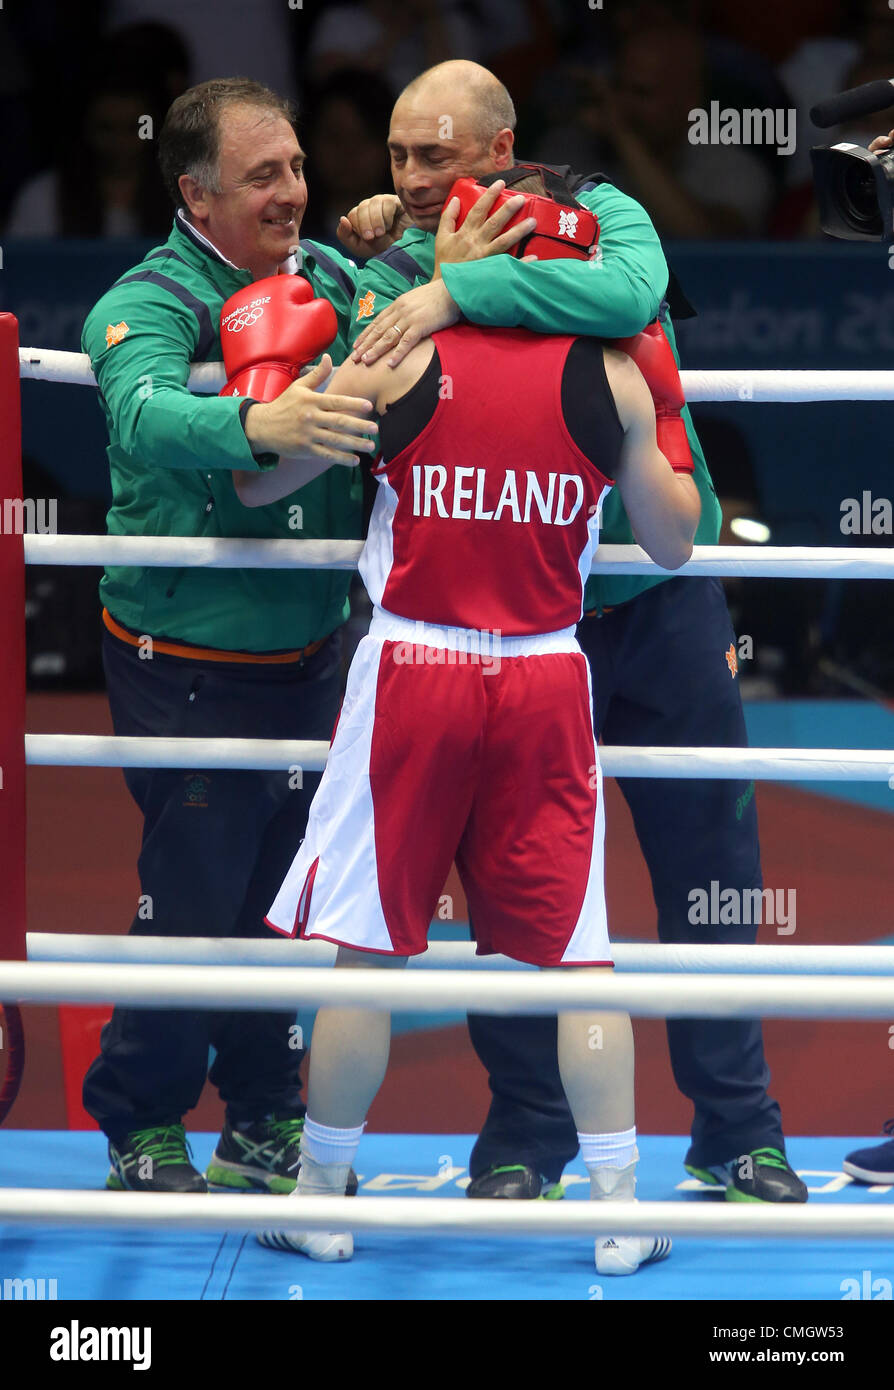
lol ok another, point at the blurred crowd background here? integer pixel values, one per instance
(599, 86)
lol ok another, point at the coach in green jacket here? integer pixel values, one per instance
(215, 652)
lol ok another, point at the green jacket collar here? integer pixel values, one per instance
(195, 248)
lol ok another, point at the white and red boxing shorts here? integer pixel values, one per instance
(486, 757)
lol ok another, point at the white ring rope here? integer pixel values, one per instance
(192, 552)
(285, 755)
(442, 1215)
(630, 957)
(270, 987)
(73, 369)
(222, 552)
(207, 378)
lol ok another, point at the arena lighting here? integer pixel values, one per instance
(745, 528)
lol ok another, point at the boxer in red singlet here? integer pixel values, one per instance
(466, 731)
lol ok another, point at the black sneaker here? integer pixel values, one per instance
(262, 1157)
(763, 1175)
(875, 1165)
(516, 1181)
(155, 1159)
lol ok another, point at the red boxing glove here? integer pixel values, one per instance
(654, 356)
(268, 331)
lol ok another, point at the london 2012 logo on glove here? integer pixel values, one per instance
(245, 316)
(567, 224)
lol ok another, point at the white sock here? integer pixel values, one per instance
(325, 1145)
(608, 1150)
(321, 1179)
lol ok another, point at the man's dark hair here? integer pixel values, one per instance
(190, 137)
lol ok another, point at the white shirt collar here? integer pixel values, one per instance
(293, 263)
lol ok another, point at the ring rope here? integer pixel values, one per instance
(442, 1215)
(630, 957)
(285, 755)
(223, 552)
(207, 378)
(271, 987)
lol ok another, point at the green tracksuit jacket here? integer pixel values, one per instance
(613, 296)
(171, 456)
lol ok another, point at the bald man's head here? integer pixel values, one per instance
(475, 89)
(452, 120)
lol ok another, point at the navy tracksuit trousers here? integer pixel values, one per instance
(659, 677)
(216, 847)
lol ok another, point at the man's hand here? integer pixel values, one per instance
(373, 225)
(882, 142)
(304, 422)
(481, 234)
(414, 316)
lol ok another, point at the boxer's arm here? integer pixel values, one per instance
(379, 384)
(663, 506)
(612, 296)
(292, 472)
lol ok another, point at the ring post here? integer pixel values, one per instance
(12, 654)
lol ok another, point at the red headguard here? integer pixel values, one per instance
(564, 228)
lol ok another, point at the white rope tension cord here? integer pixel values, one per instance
(207, 378)
(280, 755)
(223, 552)
(546, 992)
(636, 957)
(442, 1215)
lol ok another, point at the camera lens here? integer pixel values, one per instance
(857, 197)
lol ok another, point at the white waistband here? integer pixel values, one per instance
(389, 627)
